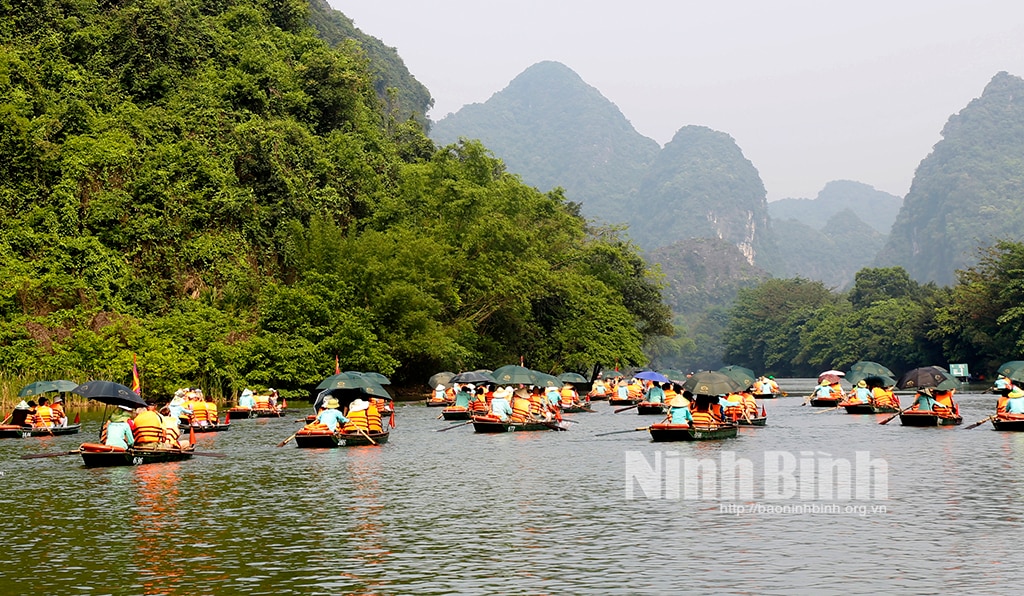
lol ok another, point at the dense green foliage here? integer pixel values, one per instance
(210, 185)
(967, 192)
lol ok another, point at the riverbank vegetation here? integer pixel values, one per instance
(210, 186)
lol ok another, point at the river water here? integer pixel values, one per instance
(935, 510)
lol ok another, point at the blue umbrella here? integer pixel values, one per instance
(650, 375)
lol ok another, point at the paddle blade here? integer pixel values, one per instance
(191, 435)
(78, 419)
(763, 413)
(42, 455)
(227, 417)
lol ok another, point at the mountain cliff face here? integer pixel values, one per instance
(968, 191)
(553, 129)
(831, 254)
(876, 208)
(701, 186)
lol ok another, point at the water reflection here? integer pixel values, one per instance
(545, 512)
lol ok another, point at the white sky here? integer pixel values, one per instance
(812, 90)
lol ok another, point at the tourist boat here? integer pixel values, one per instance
(237, 413)
(624, 401)
(647, 408)
(576, 408)
(665, 432)
(455, 413)
(209, 428)
(863, 408)
(767, 395)
(754, 421)
(1011, 424)
(928, 418)
(825, 402)
(96, 455)
(325, 439)
(492, 424)
(439, 403)
(14, 431)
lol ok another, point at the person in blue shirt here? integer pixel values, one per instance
(331, 417)
(924, 400)
(655, 394)
(464, 395)
(119, 433)
(500, 406)
(679, 410)
(1015, 403)
(246, 400)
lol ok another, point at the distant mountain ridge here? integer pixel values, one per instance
(876, 208)
(967, 192)
(554, 130)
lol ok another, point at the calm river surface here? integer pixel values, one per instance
(528, 513)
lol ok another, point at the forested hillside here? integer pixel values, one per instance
(876, 208)
(210, 185)
(968, 191)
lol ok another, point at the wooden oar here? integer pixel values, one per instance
(980, 422)
(368, 437)
(829, 410)
(285, 442)
(890, 418)
(807, 399)
(618, 432)
(441, 430)
(626, 408)
(41, 455)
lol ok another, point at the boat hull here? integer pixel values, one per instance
(661, 433)
(461, 414)
(237, 413)
(913, 418)
(870, 409)
(576, 409)
(767, 395)
(438, 404)
(622, 402)
(133, 457)
(1006, 424)
(754, 421)
(825, 402)
(9, 431)
(321, 439)
(491, 426)
(209, 428)
(650, 409)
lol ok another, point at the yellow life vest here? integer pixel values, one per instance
(373, 418)
(148, 427)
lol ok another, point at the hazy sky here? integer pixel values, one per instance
(812, 91)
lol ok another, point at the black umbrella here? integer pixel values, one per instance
(473, 377)
(111, 393)
(710, 382)
(925, 376)
(441, 378)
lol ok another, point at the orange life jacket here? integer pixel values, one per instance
(535, 405)
(703, 418)
(44, 417)
(373, 418)
(148, 427)
(262, 402)
(1001, 404)
(356, 420)
(479, 405)
(520, 409)
(211, 413)
(568, 396)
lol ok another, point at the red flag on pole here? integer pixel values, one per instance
(337, 365)
(136, 385)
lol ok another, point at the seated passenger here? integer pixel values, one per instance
(117, 432)
(149, 428)
(357, 417)
(331, 417)
(246, 400)
(500, 406)
(679, 410)
(44, 414)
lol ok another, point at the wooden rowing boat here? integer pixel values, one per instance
(825, 402)
(1011, 424)
(455, 413)
(754, 421)
(928, 418)
(325, 439)
(767, 395)
(13, 431)
(619, 401)
(440, 403)
(209, 428)
(683, 432)
(647, 408)
(863, 408)
(95, 455)
(238, 413)
(488, 425)
(576, 409)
